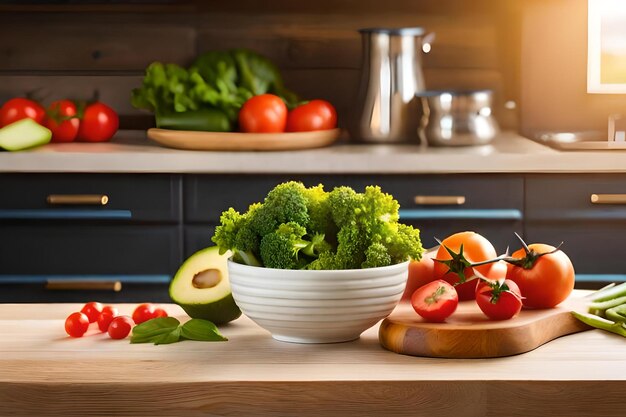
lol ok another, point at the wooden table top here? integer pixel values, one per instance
(44, 372)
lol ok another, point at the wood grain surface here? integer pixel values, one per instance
(44, 372)
(468, 333)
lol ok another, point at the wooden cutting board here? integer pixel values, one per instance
(468, 333)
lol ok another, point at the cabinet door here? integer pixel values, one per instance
(560, 208)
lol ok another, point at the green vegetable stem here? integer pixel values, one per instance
(617, 314)
(601, 323)
(610, 293)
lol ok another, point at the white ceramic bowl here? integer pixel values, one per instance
(317, 306)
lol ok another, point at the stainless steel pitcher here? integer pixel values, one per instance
(391, 76)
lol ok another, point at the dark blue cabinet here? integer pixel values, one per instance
(76, 237)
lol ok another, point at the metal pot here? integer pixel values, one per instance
(456, 118)
(391, 75)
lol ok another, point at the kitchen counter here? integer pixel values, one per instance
(43, 372)
(132, 152)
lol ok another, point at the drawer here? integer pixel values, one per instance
(569, 197)
(465, 197)
(129, 198)
(76, 249)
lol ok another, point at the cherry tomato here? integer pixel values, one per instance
(265, 113)
(110, 310)
(76, 324)
(120, 327)
(420, 273)
(106, 317)
(159, 312)
(544, 276)
(144, 312)
(456, 269)
(435, 301)
(92, 311)
(499, 300)
(314, 115)
(98, 124)
(104, 320)
(20, 108)
(61, 120)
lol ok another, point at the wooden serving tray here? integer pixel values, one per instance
(468, 333)
(237, 141)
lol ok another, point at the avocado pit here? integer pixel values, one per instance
(208, 278)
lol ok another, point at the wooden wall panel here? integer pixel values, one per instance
(329, 42)
(89, 47)
(111, 89)
(70, 52)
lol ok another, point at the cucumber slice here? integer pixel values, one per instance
(24, 134)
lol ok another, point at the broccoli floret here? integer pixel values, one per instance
(285, 203)
(234, 234)
(316, 246)
(320, 215)
(326, 260)
(345, 205)
(351, 248)
(280, 249)
(405, 244)
(376, 255)
(379, 206)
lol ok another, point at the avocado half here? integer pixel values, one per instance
(202, 289)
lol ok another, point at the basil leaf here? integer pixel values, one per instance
(148, 330)
(167, 338)
(201, 330)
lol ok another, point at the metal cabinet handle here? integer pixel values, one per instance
(72, 284)
(78, 199)
(608, 198)
(439, 200)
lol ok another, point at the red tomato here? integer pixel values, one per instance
(144, 312)
(20, 108)
(499, 300)
(106, 317)
(265, 113)
(420, 273)
(61, 120)
(92, 311)
(457, 269)
(98, 124)
(435, 301)
(76, 324)
(159, 312)
(120, 327)
(314, 115)
(545, 279)
(110, 310)
(104, 320)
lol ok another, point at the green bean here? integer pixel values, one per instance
(600, 323)
(617, 314)
(605, 305)
(610, 293)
